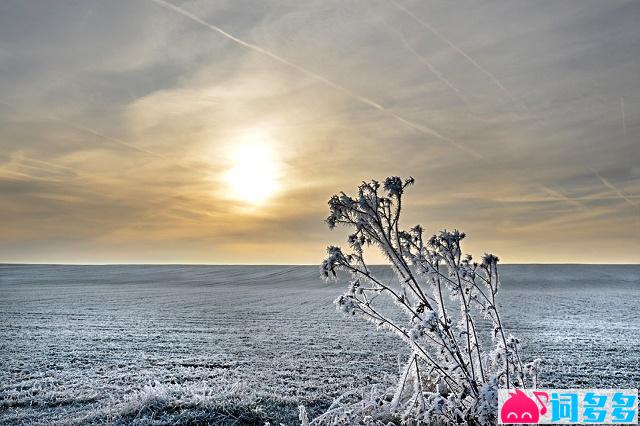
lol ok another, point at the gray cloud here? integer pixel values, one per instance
(117, 118)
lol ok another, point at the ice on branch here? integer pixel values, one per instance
(460, 354)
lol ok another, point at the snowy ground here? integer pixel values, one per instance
(127, 344)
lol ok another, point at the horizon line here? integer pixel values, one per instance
(284, 264)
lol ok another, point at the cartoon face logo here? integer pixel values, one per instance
(519, 408)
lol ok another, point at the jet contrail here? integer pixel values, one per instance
(612, 187)
(32, 164)
(624, 118)
(106, 137)
(46, 163)
(423, 129)
(362, 99)
(455, 47)
(495, 80)
(429, 65)
(561, 196)
(13, 172)
(91, 131)
(315, 76)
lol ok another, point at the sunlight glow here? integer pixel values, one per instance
(253, 177)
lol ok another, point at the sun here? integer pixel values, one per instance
(254, 172)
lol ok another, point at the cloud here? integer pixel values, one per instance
(117, 122)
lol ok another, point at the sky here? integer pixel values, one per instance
(149, 131)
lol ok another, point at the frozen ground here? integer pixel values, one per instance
(143, 344)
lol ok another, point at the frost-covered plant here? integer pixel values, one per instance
(445, 311)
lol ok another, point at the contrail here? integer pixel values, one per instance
(106, 137)
(315, 76)
(34, 162)
(429, 65)
(31, 164)
(455, 47)
(561, 196)
(423, 129)
(359, 98)
(93, 132)
(13, 172)
(612, 187)
(46, 163)
(602, 197)
(443, 79)
(624, 118)
(495, 80)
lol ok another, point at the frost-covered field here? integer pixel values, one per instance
(247, 344)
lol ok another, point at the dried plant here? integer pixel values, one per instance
(448, 307)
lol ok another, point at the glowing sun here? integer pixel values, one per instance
(254, 173)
